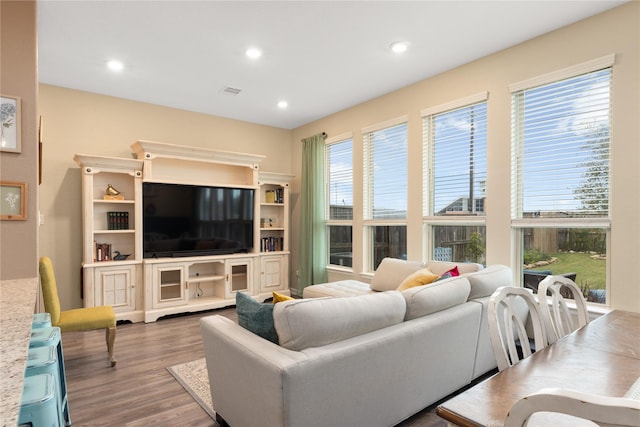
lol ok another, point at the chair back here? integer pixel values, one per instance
(49, 290)
(508, 311)
(599, 409)
(556, 315)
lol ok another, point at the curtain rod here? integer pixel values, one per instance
(324, 136)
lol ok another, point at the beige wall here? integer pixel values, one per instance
(616, 31)
(85, 123)
(77, 122)
(18, 78)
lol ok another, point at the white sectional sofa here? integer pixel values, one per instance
(372, 359)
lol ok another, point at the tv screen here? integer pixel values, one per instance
(192, 220)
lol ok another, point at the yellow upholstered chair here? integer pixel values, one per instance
(79, 319)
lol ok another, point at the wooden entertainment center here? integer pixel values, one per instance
(145, 289)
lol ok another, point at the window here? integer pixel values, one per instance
(454, 179)
(560, 176)
(385, 191)
(339, 190)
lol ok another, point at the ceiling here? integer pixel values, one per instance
(321, 57)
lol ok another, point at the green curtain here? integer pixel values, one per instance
(313, 245)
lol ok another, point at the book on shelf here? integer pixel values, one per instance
(118, 220)
(102, 252)
(271, 244)
(274, 196)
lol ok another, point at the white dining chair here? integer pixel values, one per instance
(556, 314)
(508, 310)
(601, 410)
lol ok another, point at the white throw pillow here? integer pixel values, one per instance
(441, 267)
(391, 272)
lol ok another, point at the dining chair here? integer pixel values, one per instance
(79, 319)
(508, 310)
(555, 312)
(601, 410)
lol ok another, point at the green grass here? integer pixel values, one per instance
(589, 271)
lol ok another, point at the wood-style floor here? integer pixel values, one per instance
(140, 391)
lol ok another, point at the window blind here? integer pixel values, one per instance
(560, 148)
(455, 159)
(385, 173)
(340, 180)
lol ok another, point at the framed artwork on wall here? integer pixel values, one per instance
(13, 200)
(10, 124)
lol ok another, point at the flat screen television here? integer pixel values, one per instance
(192, 220)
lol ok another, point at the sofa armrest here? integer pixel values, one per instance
(245, 371)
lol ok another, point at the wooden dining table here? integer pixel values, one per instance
(602, 357)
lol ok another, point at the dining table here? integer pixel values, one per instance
(602, 357)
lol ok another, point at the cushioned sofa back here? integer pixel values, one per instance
(437, 296)
(316, 322)
(486, 281)
(441, 267)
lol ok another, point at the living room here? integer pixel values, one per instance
(81, 122)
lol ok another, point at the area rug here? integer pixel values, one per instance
(195, 380)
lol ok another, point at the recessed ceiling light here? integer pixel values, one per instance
(253, 53)
(283, 104)
(399, 47)
(115, 65)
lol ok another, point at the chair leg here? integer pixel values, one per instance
(111, 338)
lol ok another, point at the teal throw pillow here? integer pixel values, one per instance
(256, 317)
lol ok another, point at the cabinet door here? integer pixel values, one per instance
(272, 273)
(239, 275)
(115, 286)
(169, 285)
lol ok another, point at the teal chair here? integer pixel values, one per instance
(38, 405)
(51, 337)
(44, 360)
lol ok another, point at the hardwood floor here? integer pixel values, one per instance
(140, 391)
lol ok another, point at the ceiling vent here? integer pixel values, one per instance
(231, 90)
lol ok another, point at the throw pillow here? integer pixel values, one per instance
(256, 317)
(277, 297)
(419, 278)
(445, 276)
(454, 272)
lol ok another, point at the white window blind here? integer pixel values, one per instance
(385, 173)
(340, 180)
(455, 161)
(560, 148)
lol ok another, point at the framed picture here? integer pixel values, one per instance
(10, 124)
(13, 200)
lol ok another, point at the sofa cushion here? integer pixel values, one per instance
(421, 277)
(256, 317)
(484, 282)
(341, 288)
(441, 267)
(391, 272)
(437, 296)
(316, 322)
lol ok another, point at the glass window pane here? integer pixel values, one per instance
(459, 243)
(561, 137)
(578, 253)
(388, 241)
(459, 145)
(386, 173)
(340, 180)
(340, 245)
